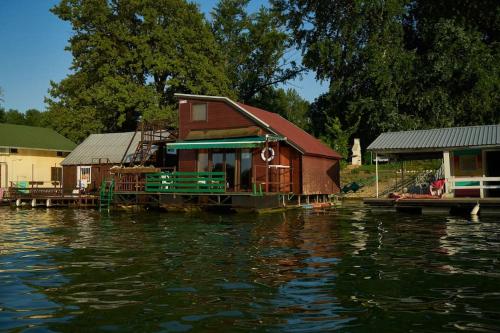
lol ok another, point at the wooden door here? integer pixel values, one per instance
(284, 172)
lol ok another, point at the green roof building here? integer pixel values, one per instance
(30, 156)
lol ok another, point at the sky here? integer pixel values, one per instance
(32, 53)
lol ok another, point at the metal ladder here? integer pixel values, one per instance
(106, 194)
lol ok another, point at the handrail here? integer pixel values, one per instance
(480, 179)
(186, 182)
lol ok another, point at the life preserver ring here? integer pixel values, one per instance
(268, 158)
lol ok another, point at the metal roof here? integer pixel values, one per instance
(437, 139)
(109, 146)
(31, 137)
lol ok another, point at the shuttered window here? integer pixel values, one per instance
(55, 174)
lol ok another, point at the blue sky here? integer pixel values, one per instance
(32, 42)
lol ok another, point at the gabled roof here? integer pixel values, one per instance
(297, 137)
(31, 137)
(437, 139)
(110, 146)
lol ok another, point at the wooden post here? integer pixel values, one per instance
(376, 173)
(447, 171)
(267, 166)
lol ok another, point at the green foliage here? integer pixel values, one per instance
(256, 48)
(287, 103)
(129, 58)
(31, 117)
(398, 64)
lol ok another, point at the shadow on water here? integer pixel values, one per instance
(348, 269)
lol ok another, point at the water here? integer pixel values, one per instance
(348, 269)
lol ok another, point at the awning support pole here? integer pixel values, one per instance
(376, 173)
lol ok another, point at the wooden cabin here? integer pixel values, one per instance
(256, 149)
(93, 160)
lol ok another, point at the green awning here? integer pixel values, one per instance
(247, 142)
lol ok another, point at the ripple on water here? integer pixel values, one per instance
(347, 269)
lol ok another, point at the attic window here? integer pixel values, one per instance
(199, 112)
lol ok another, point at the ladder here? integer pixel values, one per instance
(106, 194)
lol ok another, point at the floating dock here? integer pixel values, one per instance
(436, 206)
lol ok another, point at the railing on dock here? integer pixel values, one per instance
(33, 192)
(476, 183)
(186, 182)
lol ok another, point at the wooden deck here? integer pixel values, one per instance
(445, 206)
(76, 201)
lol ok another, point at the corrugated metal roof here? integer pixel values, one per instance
(436, 139)
(21, 136)
(109, 146)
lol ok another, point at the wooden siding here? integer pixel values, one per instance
(320, 175)
(69, 178)
(187, 160)
(98, 173)
(219, 116)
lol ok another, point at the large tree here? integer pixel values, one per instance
(398, 64)
(129, 58)
(258, 51)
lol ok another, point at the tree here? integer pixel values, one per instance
(398, 64)
(256, 47)
(129, 58)
(14, 117)
(287, 103)
(33, 117)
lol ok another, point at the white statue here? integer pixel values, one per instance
(356, 153)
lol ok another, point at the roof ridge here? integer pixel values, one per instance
(441, 128)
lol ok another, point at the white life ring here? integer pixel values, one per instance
(271, 154)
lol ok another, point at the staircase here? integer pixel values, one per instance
(106, 194)
(153, 135)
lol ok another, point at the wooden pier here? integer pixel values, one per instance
(49, 197)
(437, 206)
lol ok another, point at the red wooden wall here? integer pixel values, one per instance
(320, 175)
(219, 116)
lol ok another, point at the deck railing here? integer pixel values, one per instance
(186, 182)
(469, 183)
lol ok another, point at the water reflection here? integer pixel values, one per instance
(310, 271)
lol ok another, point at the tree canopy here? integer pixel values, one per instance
(258, 51)
(129, 58)
(398, 64)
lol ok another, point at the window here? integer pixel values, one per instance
(62, 154)
(55, 174)
(245, 169)
(84, 176)
(13, 150)
(199, 112)
(202, 162)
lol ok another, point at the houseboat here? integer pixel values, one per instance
(470, 165)
(239, 156)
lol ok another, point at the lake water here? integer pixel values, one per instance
(346, 269)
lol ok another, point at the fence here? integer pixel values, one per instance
(186, 182)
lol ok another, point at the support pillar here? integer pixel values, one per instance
(376, 173)
(447, 171)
